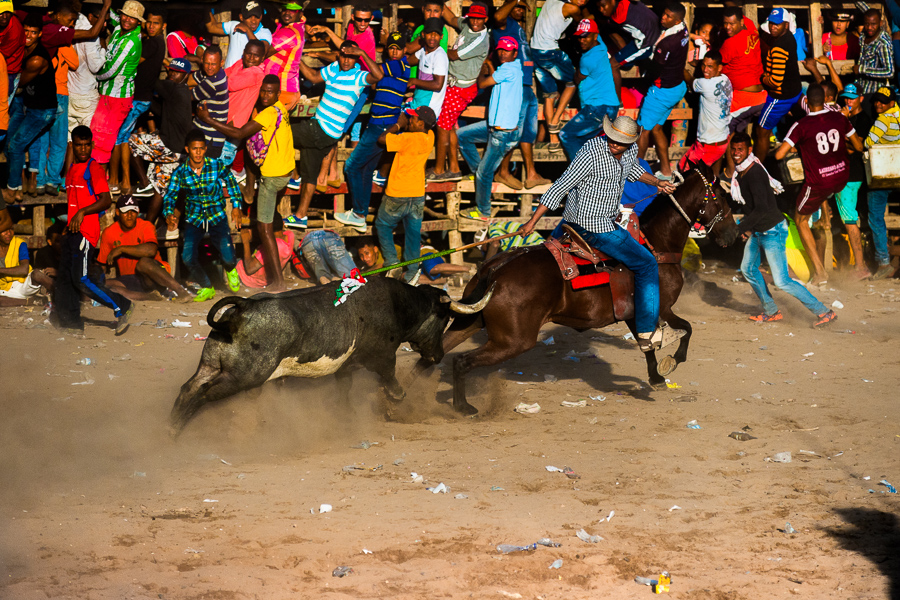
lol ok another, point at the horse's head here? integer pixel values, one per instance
(714, 212)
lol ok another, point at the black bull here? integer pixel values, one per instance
(303, 334)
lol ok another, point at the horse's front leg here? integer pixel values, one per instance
(655, 380)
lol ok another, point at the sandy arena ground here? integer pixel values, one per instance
(98, 503)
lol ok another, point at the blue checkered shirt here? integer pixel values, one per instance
(593, 185)
(206, 192)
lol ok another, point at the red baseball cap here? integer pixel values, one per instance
(507, 43)
(585, 27)
(477, 11)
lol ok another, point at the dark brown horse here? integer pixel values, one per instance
(529, 291)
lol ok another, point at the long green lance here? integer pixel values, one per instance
(436, 254)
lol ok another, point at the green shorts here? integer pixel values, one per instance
(846, 201)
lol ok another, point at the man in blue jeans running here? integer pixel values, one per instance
(599, 89)
(592, 186)
(764, 228)
(500, 131)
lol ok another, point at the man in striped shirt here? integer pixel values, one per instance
(592, 186)
(344, 82)
(876, 57)
(116, 78)
(285, 55)
(781, 76)
(886, 130)
(385, 111)
(212, 89)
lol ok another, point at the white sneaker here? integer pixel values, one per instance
(240, 176)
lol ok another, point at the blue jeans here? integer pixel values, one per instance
(220, 235)
(587, 124)
(138, 107)
(621, 246)
(877, 205)
(528, 116)
(499, 143)
(326, 254)
(773, 243)
(51, 147)
(550, 67)
(360, 166)
(357, 108)
(16, 116)
(35, 122)
(390, 213)
(629, 55)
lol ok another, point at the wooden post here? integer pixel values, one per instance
(456, 7)
(526, 205)
(679, 129)
(346, 13)
(751, 11)
(530, 17)
(395, 18)
(222, 40)
(454, 236)
(815, 28)
(38, 230)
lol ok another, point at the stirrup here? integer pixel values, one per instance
(661, 337)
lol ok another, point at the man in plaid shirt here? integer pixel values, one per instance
(592, 187)
(208, 183)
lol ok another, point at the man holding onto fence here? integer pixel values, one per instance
(886, 130)
(592, 186)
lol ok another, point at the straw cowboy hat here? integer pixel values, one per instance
(624, 130)
(133, 9)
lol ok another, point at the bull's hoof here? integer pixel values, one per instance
(465, 408)
(666, 365)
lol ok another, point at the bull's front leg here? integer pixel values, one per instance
(385, 367)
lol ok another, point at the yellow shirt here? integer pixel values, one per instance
(12, 260)
(407, 179)
(280, 157)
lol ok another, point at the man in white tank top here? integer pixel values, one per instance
(552, 65)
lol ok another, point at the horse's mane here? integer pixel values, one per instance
(662, 204)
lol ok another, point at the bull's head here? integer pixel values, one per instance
(427, 340)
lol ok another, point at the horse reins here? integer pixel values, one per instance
(708, 195)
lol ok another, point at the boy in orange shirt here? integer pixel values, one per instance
(130, 246)
(404, 198)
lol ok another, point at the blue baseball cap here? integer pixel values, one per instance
(851, 91)
(778, 16)
(180, 64)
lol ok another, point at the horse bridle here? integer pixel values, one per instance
(709, 194)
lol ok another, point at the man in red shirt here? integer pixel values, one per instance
(88, 196)
(742, 64)
(130, 246)
(820, 137)
(12, 44)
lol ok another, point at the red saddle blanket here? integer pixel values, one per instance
(588, 280)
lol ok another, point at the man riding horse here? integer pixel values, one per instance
(592, 185)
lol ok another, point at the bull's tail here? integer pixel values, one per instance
(234, 305)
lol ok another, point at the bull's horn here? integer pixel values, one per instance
(471, 309)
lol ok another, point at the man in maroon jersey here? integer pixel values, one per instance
(820, 137)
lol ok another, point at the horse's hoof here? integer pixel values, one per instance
(465, 409)
(666, 365)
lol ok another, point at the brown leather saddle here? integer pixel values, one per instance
(585, 266)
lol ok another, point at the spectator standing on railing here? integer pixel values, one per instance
(50, 149)
(781, 76)
(667, 86)
(123, 53)
(38, 98)
(500, 131)
(271, 129)
(83, 94)
(431, 9)
(742, 65)
(599, 89)
(344, 82)
(886, 130)
(12, 45)
(840, 43)
(361, 167)
(430, 80)
(641, 25)
(715, 113)
(466, 57)
(212, 91)
(875, 68)
(248, 28)
(285, 55)
(153, 53)
(244, 80)
(509, 21)
(553, 66)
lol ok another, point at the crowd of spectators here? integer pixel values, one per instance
(128, 108)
